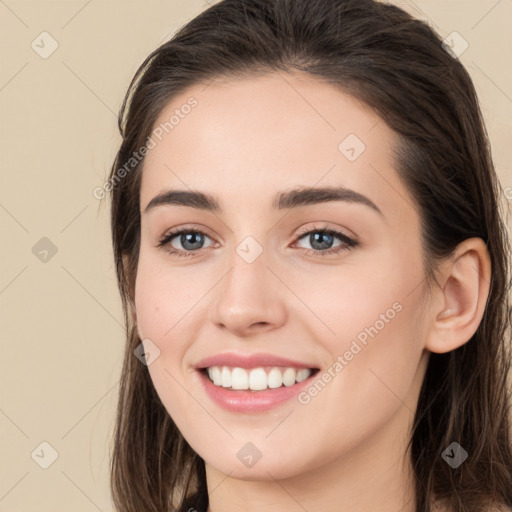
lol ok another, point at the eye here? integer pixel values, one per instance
(190, 239)
(322, 238)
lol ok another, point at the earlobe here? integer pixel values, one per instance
(465, 281)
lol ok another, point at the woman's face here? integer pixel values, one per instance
(264, 278)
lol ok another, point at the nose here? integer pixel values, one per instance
(249, 298)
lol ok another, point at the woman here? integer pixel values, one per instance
(314, 269)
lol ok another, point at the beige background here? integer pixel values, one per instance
(61, 322)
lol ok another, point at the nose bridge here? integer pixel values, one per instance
(247, 283)
(249, 293)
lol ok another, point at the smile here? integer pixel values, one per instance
(256, 379)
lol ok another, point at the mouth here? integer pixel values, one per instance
(253, 383)
(256, 379)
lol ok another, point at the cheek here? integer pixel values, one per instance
(360, 299)
(162, 298)
(374, 334)
(170, 313)
(382, 352)
(374, 369)
(166, 316)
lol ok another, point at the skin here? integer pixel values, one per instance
(247, 140)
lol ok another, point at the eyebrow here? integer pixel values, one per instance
(304, 196)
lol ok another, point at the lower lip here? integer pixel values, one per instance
(251, 401)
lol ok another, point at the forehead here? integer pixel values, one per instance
(253, 136)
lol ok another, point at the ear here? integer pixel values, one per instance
(460, 303)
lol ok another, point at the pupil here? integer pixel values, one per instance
(323, 245)
(191, 237)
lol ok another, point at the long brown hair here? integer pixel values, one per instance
(398, 66)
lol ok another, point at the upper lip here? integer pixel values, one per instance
(249, 361)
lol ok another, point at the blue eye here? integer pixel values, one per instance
(192, 240)
(323, 238)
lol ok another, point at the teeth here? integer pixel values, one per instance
(302, 374)
(256, 379)
(239, 379)
(215, 375)
(225, 378)
(275, 378)
(289, 377)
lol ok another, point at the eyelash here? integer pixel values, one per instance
(170, 235)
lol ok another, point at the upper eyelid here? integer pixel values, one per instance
(187, 228)
(325, 227)
(174, 232)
